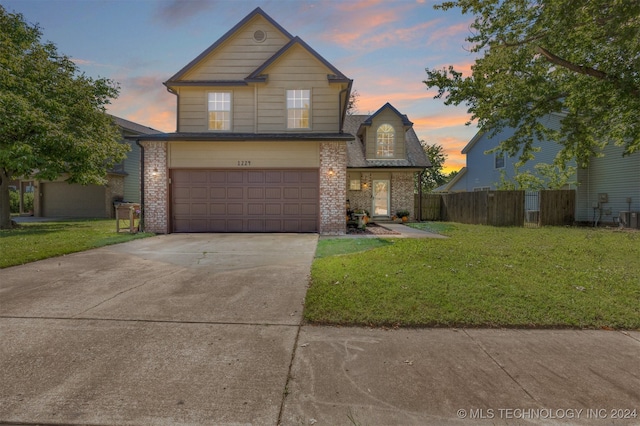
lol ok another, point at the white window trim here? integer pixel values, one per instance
(230, 111)
(393, 146)
(286, 108)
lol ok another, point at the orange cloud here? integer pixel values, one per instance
(442, 121)
(452, 147)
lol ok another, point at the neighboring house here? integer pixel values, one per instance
(611, 174)
(260, 143)
(61, 199)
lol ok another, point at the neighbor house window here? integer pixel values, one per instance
(298, 106)
(386, 141)
(219, 111)
(499, 160)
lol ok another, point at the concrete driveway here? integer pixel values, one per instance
(176, 329)
(206, 330)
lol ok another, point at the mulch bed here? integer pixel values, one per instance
(371, 229)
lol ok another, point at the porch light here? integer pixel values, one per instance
(154, 172)
(331, 172)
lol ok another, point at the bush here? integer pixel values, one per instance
(14, 201)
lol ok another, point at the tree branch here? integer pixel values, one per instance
(571, 66)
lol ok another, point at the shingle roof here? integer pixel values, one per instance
(213, 136)
(356, 158)
(134, 127)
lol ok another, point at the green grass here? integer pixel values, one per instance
(338, 246)
(40, 240)
(485, 277)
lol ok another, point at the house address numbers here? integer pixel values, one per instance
(244, 163)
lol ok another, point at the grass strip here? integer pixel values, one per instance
(485, 277)
(40, 240)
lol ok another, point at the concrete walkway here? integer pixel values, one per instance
(206, 329)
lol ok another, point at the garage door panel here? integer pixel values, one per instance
(291, 193)
(245, 200)
(199, 193)
(235, 209)
(255, 193)
(255, 209)
(218, 209)
(308, 225)
(273, 209)
(60, 199)
(201, 209)
(273, 193)
(218, 193)
(235, 177)
(309, 209)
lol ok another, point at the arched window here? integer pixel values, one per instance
(386, 141)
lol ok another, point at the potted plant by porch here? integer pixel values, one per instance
(403, 214)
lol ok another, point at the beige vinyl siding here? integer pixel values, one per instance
(614, 175)
(386, 117)
(242, 155)
(240, 55)
(193, 108)
(298, 69)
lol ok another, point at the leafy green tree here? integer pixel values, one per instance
(580, 58)
(52, 118)
(547, 176)
(433, 176)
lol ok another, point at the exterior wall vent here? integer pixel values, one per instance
(259, 36)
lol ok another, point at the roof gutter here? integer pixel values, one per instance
(345, 105)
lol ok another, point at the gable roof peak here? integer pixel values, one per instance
(405, 119)
(227, 35)
(335, 73)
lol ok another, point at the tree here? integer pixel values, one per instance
(52, 118)
(433, 176)
(352, 106)
(547, 176)
(580, 58)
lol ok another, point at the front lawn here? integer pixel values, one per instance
(40, 240)
(484, 276)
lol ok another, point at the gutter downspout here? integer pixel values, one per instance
(141, 182)
(346, 103)
(420, 175)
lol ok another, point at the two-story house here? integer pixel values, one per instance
(260, 143)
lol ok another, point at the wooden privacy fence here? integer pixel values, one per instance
(498, 208)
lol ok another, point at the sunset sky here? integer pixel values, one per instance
(384, 46)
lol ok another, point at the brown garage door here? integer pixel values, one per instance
(245, 200)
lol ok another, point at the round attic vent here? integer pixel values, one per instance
(259, 36)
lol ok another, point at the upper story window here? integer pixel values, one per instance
(499, 160)
(219, 111)
(298, 107)
(386, 141)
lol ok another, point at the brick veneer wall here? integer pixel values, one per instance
(333, 189)
(156, 188)
(401, 192)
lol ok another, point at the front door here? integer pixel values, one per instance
(381, 198)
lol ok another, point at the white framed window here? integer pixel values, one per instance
(386, 141)
(354, 184)
(219, 106)
(298, 108)
(499, 160)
